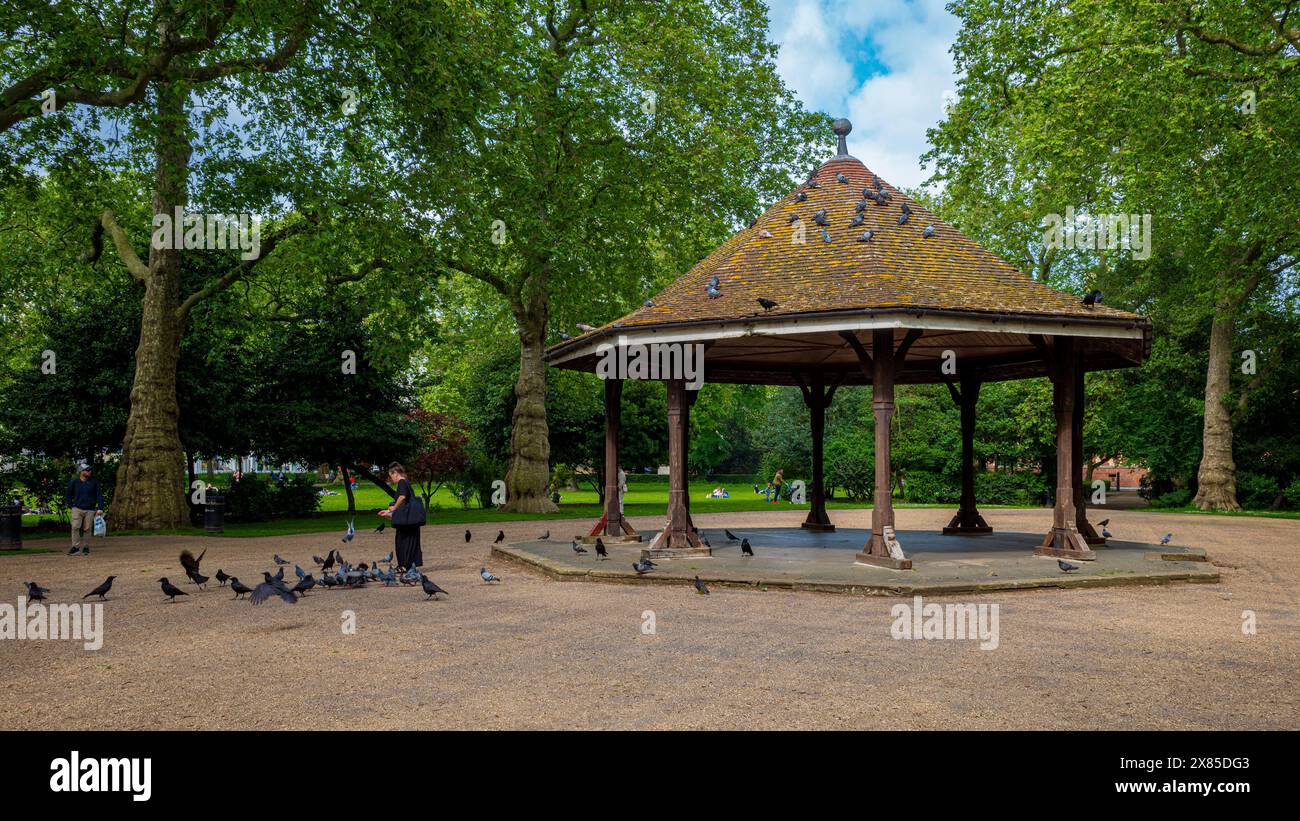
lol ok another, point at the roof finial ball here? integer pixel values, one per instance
(842, 127)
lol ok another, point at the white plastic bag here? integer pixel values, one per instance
(101, 527)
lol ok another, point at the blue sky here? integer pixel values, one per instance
(884, 64)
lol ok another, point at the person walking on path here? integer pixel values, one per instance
(408, 516)
(85, 500)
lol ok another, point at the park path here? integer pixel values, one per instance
(536, 653)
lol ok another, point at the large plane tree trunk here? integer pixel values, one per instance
(1217, 477)
(530, 438)
(150, 490)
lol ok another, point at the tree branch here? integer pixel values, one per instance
(108, 222)
(218, 285)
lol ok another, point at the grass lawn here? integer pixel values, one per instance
(642, 499)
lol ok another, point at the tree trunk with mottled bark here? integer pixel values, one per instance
(530, 444)
(150, 490)
(1217, 477)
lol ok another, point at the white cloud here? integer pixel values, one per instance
(882, 63)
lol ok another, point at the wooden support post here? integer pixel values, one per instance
(678, 538)
(817, 397)
(1089, 533)
(612, 526)
(883, 549)
(967, 521)
(1064, 540)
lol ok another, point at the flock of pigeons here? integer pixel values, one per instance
(334, 571)
(645, 565)
(337, 572)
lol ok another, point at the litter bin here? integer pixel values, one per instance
(214, 513)
(11, 527)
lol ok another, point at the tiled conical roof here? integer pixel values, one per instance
(812, 272)
(897, 268)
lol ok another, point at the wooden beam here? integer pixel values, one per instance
(900, 356)
(864, 358)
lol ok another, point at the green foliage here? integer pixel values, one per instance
(251, 499)
(1257, 491)
(1000, 487)
(850, 465)
(928, 487)
(295, 496)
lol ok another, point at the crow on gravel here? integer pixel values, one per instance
(170, 590)
(35, 592)
(431, 588)
(501, 537)
(265, 591)
(102, 589)
(222, 577)
(239, 587)
(600, 549)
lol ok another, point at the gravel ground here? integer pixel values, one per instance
(536, 653)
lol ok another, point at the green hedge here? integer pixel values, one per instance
(996, 487)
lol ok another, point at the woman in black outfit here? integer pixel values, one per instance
(408, 536)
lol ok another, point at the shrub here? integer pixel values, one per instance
(1178, 497)
(251, 499)
(929, 487)
(850, 466)
(1291, 495)
(998, 487)
(295, 496)
(1256, 491)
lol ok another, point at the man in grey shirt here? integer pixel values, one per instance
(85, 500)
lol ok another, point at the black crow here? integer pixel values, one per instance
(102, 589)
(467, 537)
(222, 577)
(265, 591)
(170, 590)
(501, 537)
(35, 592)
(239, 587)
(431, 588)
(329, 561)
(383, 523)
(198, 578)
(1103, 523)
(304, 584)
(546, 536)
(731, 536)
(766, 303)
(189, 563)
(1093, 298)
(745, 549)
(600, 549)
